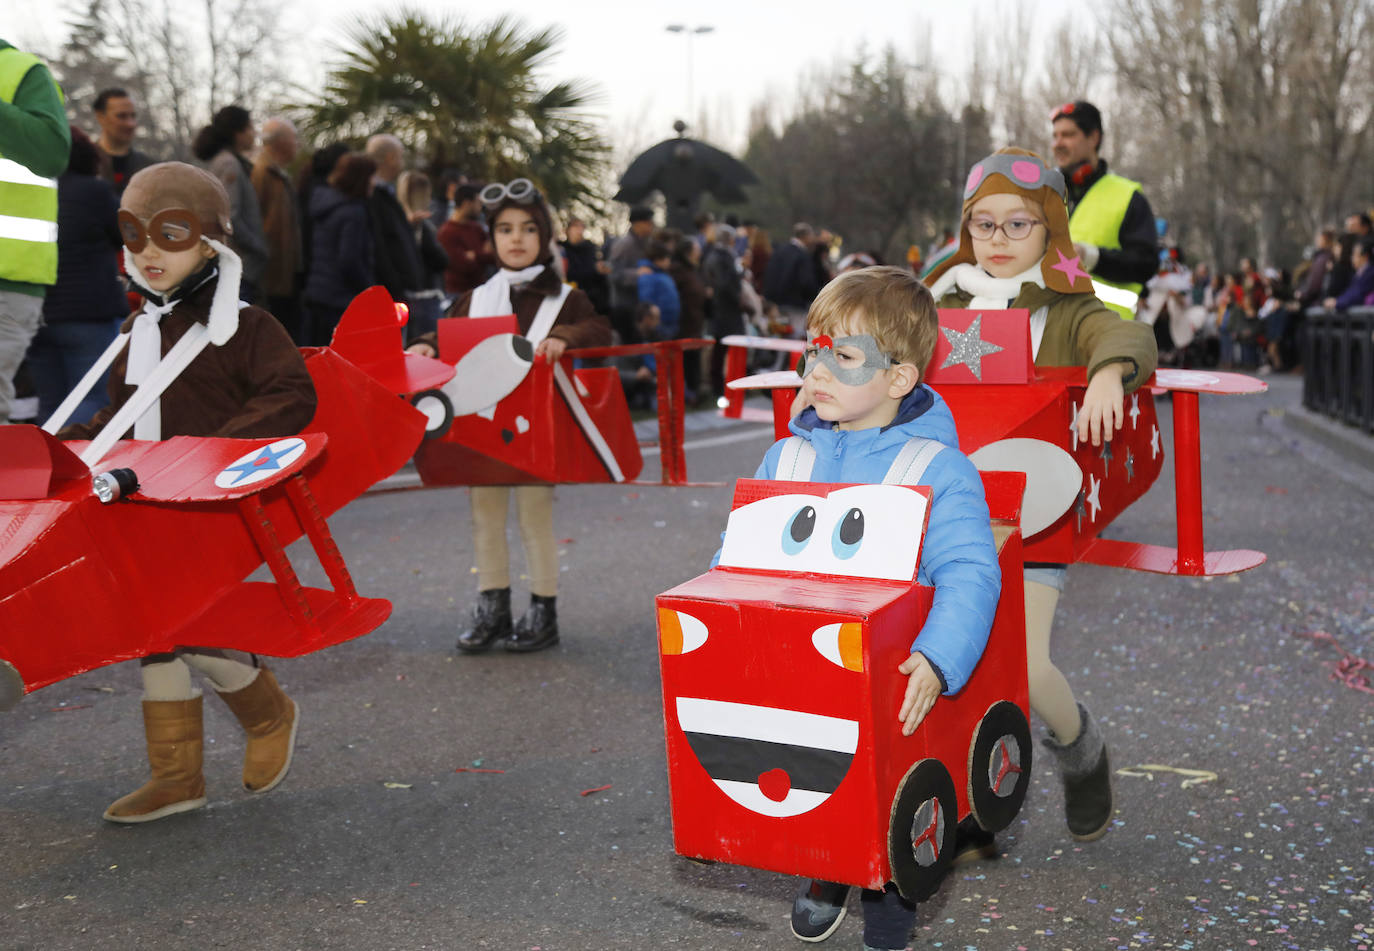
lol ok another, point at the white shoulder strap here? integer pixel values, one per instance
(546, 315)
(797, 460)
(1037, 326)
(910, 464)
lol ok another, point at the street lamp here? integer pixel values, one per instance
(689, 32)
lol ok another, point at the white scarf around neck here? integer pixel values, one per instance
(989, 293)
(493, 299)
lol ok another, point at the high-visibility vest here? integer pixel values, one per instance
(28, 202)
(1097, 220)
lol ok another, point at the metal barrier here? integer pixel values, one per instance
(1338, 365)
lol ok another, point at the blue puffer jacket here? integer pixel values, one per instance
(959, 558)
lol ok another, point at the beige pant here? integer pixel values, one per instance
(1051, 697)
(168, 676)
(534, 508)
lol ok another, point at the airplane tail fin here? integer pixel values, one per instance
(370, 336)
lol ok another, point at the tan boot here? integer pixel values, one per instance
(269, 717)
(175, 745)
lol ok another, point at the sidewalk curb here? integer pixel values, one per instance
(1347, 441)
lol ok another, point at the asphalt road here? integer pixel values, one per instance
(375, 842)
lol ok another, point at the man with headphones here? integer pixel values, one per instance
(1110, 220)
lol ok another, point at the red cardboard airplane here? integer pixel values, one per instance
(86, 582)
(1012, 415)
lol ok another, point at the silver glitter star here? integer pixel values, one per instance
(1073, 425)
(969, 347)
(1130, 464)
(1106, 456)
(1154, 441)
(1079, 509)
(1135, 408)
(1093, 503)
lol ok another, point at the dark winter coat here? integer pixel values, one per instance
(88, 248)
(341, 250)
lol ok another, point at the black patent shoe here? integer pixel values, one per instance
(537, 629)
(490, 621)
(973, 843)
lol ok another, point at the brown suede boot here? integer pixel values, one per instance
(175, 745)
(269, 717)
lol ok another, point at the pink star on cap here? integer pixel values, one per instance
(1071, 267)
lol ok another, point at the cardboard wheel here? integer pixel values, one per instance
(11, 686)
(999, 766)
(438, 410)
(920, 841)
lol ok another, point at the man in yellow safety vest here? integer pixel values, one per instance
(1110, 221)
(34, 145)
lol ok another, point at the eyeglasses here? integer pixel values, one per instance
(521, 191)
(172, 229)
(1016, 229)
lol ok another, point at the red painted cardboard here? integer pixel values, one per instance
(529, 433)
(784, 750)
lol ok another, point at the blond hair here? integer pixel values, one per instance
(890, 303)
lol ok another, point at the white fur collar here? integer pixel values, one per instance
(988, 292)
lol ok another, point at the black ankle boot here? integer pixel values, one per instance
(538, 629)
(490, 621)
(1087, 776)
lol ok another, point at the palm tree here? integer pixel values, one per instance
(466, 98)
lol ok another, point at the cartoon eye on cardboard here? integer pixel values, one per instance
(862, 531)
(841, 644)
(679, 633)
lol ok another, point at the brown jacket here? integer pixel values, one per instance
(578, 323)
(253, 387)
(281, 226)
(1081, 332)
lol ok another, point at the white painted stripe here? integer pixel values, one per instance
(16, 174)
(28, 229)
(748, 795)
(1115, 295)
(769, 724)
(584, 420)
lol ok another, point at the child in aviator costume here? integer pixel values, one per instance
(870, 335)
(554, 317)
(1015, 251)
(248, 381)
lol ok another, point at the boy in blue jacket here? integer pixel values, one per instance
(870, 335)
(656, 287)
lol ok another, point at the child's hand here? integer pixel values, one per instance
(423, 349)
(1102, 409)
(922, 689)
(551, 349)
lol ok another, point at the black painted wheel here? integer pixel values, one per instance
(999, 766)
(921, 835)
(438, 410)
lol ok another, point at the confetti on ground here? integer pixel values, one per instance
(588, 792)
(1195, 776)
(474, 769)
(398, 785)
(1348, 669)
(75, 706)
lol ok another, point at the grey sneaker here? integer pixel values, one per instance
(818, 910)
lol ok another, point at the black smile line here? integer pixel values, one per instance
(735, 759)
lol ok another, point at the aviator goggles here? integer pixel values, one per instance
(821, 349)
(1024, 172)
(521, 191)
(172, 229)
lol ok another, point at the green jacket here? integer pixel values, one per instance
(1081, 331)
(34, 133)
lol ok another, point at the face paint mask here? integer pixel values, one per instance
(821, 349)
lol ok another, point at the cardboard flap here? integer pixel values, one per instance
(369, 336)
(982, 346)
(33, 461)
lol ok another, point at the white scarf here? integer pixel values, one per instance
(493, 298)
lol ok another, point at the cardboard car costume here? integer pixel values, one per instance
(509, 418)
(781, 692)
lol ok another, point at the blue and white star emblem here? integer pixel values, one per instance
(261, 463)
